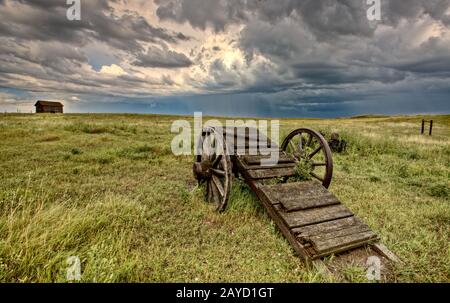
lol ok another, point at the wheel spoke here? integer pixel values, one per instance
(309, 140)
(216, 195)
(316, 176)
(219, 186)
(296, 154)
(218, 172)
(217, 160)
(292, 146)
(319, 164)
(300, 143)
(213, 158)
(314, 152)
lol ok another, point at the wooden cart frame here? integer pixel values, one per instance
(311, 218)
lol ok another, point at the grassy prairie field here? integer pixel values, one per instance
(108, 189)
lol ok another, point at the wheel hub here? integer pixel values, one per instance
(202, 170)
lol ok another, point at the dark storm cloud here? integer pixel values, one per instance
(58, 67)
(40, 50)
(324, 17)
(438, 65)
(323, 73)
(51, 61)
(327, 18)
(394, 11)
(317, 41)
(300, 57)
(46, 20)
(162, 57)
(201, 13)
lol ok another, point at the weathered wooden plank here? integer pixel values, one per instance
(285, 230)
(244, 132)
(313, 215)
(241, 136)
(246, 145)
(308, 187)
(256, 160)
(241, 152)
(259, 152)
(241, 141)
(340, 249)
(336, 233)
(311, 230)
(241, 147)
(271, 173)
(302, 201)
(276, 165)
(249, 144)
(328, 246)
(233, 145)
(382, 249)
(300, 195)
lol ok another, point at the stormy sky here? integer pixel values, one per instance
(266, 58)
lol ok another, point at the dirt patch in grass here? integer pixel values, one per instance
(49, 139)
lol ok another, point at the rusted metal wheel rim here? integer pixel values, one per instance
(213, 167)
(308, 145)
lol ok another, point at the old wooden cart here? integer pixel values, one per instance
(311, 218)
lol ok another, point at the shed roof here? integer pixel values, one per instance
(48, 103)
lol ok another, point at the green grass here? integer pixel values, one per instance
(107, 188)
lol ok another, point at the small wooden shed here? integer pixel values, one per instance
(48, 107)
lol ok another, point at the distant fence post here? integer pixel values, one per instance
(422, 131)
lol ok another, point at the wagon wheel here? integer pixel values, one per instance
(311, 148)
(213, 167)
